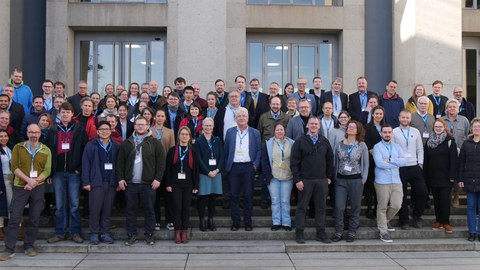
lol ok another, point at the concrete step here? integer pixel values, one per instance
(267, 246)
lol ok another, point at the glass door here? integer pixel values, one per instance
(472, 76)
(277, 67)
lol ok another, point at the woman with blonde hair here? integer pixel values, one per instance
(418, 91)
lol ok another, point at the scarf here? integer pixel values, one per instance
(436, 139)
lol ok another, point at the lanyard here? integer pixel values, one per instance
(185, 106)
(173, 116)
(182, 156)
(452, 126)
(195, 124)
(329, 125)
(350, 148)
(137, 141)
(48, 103)
(233, 111)
(460, 109)
(107, 149)
(437, 101)
(209, 142)
(34, 152)
(211, 112)
(153, 100)
(424, 118)
(220, 99)
(159, 134)
(282, 148)
(66, 130)
(406, 137)
(389, 148)
(275, 116)
(379, 129)
(242, 98)
(132, 101)
(314, 139)
(240, 135)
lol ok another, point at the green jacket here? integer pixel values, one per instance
(21, 159)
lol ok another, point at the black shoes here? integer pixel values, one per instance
(287, 228)
(202, 225)
(299, 237)
(337, 237)
(211, 225)
(248, 228)
(234, 227)
(275, 227)
(471, 237)
(322, 237)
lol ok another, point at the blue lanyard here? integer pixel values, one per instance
(240, 135)
(137, 140)
(66, 130)
(425, 118)
(452, 126)
(389, 148)
(195, 124)
(173, 116)
(209, 142)
(233, 111)
(242, 98)
(460, 109)
(379, 130)
(211, 112)
(329, 125)
(275, 116)
(107, 149)
(437, 101)
(34, 152)
(48, 103)
(182, 156)
(220, 99)
(282, 148)
(159, 134)
(314, 139)
(153, 100)
(350, 148)
(406, 137)
(185, 106)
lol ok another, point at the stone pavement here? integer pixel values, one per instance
(457, 260)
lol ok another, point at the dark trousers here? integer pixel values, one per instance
(146, 194)
(181, 200)
(414, 176)
(318, 189)
(161, 192)
(101, 203)
(36, 202)
(441, 200)
(203, 201)
(348, 189)
(225, 188)
(241, 178)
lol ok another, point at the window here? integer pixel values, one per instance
(102, 61)
(125, 1)
(297, 2)
(472, 4)
(285, 62)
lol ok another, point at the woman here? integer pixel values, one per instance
(287, 91)
(142, 104)
(166, 91)
(123, 97)
(366, 116)
(276, 167)
(95, 96)
(182, 181)
(110, 108)
(372, 137)
(468, 175)
(133, 95)
(343, 120)
(166, 136)
(292, 105)
(148, 113)
(6, 180)
(209, 150)
(211, 109)
(45, 123)
(351, 167)
(193, 121)
(124, 126)
(418, 91)
(440, 169)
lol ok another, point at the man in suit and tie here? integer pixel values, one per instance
(357, 102)
(260, 101)
(337, 97)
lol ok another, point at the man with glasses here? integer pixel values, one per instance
(225, 117)
(297, 126)
(75, 100)
(302, 94)
(421, 120)
(31, 161)
(143, 163)
(336, 96)
(175, 113)
(466, 107)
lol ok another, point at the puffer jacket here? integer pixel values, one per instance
(469, 165)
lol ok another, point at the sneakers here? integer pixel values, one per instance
(386, 238)
(149, 239)
(390, 227)
(336, 237)
(55, 239)
(170, 227)
(30, 252)
(132, 239)
(437, 226)
(7, 255)
(157, 226)
(77, 239)
(94, 239)
(106, 238)
(448, 228)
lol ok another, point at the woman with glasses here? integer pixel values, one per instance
(418, 91)
(440, 169)
(351, 167)
(193, 121)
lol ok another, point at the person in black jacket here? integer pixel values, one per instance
(466, 107)
(312, 150)
(182, 181)
(440, 169)
(17, 113)
(468, 176)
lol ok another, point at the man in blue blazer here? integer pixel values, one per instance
(242, 149)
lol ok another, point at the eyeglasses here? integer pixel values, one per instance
(303, 107)
(33, 132)
(352, 126)
(141, 125)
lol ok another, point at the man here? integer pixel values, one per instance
(156, 100)
(143, 163)
(86, 118)
(22, 93)
(32, 118)
(268, 120)
(301, 94)
(246, 100)
(273, 91)
(410, 140)
(109, 92)
(47, 87)
(225, 117)
(222, 95)
(74, 100)
(58, 101)
(196, 96)
(336, 97)
(260, 101)
(13, 137)
(31, 161)
(188, 95)
(392, 103)
(116, 134)
(16, 110)
(297, 126)
(421, 120)
(180, 84)
(388, 158)
(466, 107)
(175, 113)
(357, 102)
(242, 150)
(68, 141)
(328, 121)
(59, 89)
(145, 87)
(438, 99)
(312, 150)
(119, 89)
(317, 93)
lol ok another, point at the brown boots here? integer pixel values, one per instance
(455, 200)
(181, 236)
(2, 234)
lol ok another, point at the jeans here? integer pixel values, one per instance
(67, 190)
(473, 203)
(280, 195)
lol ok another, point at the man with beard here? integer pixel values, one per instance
(156, 101)
(22, 92)
(7, 104)
(175, 113)
(32, 118)
(222, 95)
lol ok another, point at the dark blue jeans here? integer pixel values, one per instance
(473, 203)
(241, 178)
(145, 193)
(67, 197)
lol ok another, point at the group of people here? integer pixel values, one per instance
(142, 145)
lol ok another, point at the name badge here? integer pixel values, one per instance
(426, 135)
(212, 162)
(138, 159)
(239, 152)
(234, 124)
(33, 174)
(182, 176)
(438, 116)
(193, 141)
(108, 166)
(282, 165)
(347, 168)
(65, 146)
